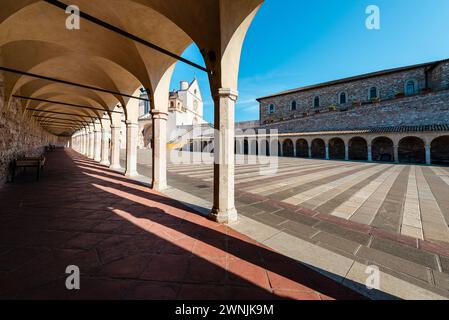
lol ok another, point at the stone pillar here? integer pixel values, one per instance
(131, 148)
(104, 147)
(310, 151)
(91, 144)
(327, 150)
(370, 154)
(115, 147)
(223, 210)
(428, 155)
(97, 145)
(346, 151)
(396, 153)
(159, 146)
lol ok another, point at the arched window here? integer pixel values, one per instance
(271, 108)
(316, 102)
(410, 87)
(342, 98)
(373, 93)
(294, 105)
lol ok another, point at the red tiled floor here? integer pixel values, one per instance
(132, 243)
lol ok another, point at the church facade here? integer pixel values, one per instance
(185, 111)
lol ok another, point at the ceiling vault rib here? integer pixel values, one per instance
(65, 113)
(34, 75)
(128, 35)
(58, 122)
(63, 103)
(56, 118)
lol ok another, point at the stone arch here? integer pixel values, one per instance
(287, 148)
(358, 149)
(318, 149)
(412, 150)
(302, 148)
(245, 147)
(382, 149)
(336, 149)
(439, 150)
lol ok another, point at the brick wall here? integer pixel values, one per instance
(19, 135)
(357, 93)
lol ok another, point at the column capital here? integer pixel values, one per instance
(130, 123)
(228, 92)
(115, 126)
(156, 114)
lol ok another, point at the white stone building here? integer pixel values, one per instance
(185, 110)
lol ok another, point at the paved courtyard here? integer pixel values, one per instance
(130, 242)
(395, 216)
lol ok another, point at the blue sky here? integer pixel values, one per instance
(294, 43)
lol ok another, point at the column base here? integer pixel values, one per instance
(115, 167)
(223, 217)
(158, 186)
(97, 159)
(131, 174)
(105, 163)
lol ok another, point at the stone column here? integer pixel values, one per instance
(223, 210)
(131, 148)
(159, 150)
(396, 153)
(428, 155)
(97, 145)
(91, 144)
(310, 151)
(370, 154)
(87, 144)
(346, 151)
(327, 150)
(115, 147)
(104, 147)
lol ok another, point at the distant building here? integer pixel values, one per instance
(185, 110)
(399, 115)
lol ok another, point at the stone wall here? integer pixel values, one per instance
(426, 109)
(19, 135)
(357, 94)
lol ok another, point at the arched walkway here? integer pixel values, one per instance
(302, 148)
(412, 150)
(382, 149)
(287, 148)
(358, 149)
(439, 150)
(336, 149)
(318, 149)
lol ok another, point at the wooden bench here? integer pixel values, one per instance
(28, 162)
(50, 148)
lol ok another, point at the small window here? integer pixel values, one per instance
(342, 98)
(410, 87)
(373, 93)
(271, 108)
(294, 105)
(316, 102)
